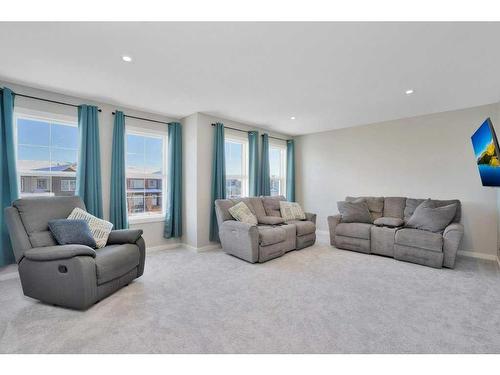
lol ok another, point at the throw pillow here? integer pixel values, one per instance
(241, 212)
(291, 211)
(68, 232)
(431, 218)
(99, 228)
(392, 222)
(270, 220)
(355, 212)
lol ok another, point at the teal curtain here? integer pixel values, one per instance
(265, 174)
(253, 163)
(290, 170)
(88, 178)
(118, 194)
(8, 187)
(173, 219)
(218, 178)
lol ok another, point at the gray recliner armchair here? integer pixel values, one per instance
(74, 276)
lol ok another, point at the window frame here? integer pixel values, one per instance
(241, 139)
(145, 132)
(51, 118)
(282, 147)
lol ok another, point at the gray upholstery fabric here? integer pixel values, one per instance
(272, 205)
(114, 261)
(121, 236)
(311, 217)
(418, 256)
(248, 203)
(303, 227)
(389, 222)
(333, 221)
(18, 236)
(257, 206)
(240, 239)
(270, 220)
(36, 212)
(271, 235)
(355, 230)
(419, 239)
(430, 218)
(59, 252)
(441, 203)
(451, 240)
(306, 240)
(382, 240)
(375, 205)
(222, 207)
(355, 212)
(411, 205)
(394, 207)
(106, 289)
(354, 244)
(68, 232)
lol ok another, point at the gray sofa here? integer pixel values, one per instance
(407, 244)
(74, 276)
(262, 242)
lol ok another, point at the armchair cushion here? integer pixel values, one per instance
(115, 260)
(71, 232)
(427, 216)
(122, 236)
(420, 239)
(58, 252)
(271, 235)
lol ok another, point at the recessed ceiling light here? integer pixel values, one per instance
(126, 58)
(292, 118)
(409, 92)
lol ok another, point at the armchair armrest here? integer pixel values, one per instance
(122, 236)
(452, 236)
(311, 217)
(58, 252)
(240, 239)
(333, 221)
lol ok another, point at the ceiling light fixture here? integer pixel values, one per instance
(292, 118)
(126, 58)
(409, 92)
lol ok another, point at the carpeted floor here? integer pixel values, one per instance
(317, 300)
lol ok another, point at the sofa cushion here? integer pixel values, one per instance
(272, 205)
(394, 207)
(354, 212)
(291, 211)
(375, 205)
(355, 230)
(271, 235)
(115, 260)
(257, 205)
(241, 212)
(270, 220)
(431, 218)
(411, 205)
(72, 232)
(420, 239)
(99, 228)
(389, 222)
(303, 227)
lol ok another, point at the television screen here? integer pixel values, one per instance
(486, 150)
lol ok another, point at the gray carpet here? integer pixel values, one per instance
(317, 300)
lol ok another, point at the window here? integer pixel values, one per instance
(146, 174)
(236, 152)
(47, 153)
(277, 166)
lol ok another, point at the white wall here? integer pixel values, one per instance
(421, 157)
(153, 232)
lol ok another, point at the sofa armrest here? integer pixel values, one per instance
(58, 252)
(122, 236)
(452, 236)
(311, 217)
(240, 239)
(333, 221)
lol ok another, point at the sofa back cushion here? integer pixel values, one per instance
(394, 207)
(428, 216)
(36, 212)
(272, 205)
(412, 204)
(355, 212)
(375, 205)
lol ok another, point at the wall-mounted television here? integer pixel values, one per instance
(486, 150)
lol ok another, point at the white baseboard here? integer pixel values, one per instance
(473, 254)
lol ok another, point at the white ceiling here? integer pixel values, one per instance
(327, 75)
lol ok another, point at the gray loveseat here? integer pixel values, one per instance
(407, 244)
(74, 276)
(262, 242)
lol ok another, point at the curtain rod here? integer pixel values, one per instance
(49, 100)
(144, 119)
(245, 131)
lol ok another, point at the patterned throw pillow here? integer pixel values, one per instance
(99, 228)
(241, 212)
(291, 211)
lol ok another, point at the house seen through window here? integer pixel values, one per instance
(236, 149)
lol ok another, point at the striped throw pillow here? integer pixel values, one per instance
(291, 211)
(99, 228)
(241, 212)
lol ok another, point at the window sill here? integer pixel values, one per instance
(143, 220)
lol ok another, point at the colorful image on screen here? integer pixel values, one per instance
(485, 145)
